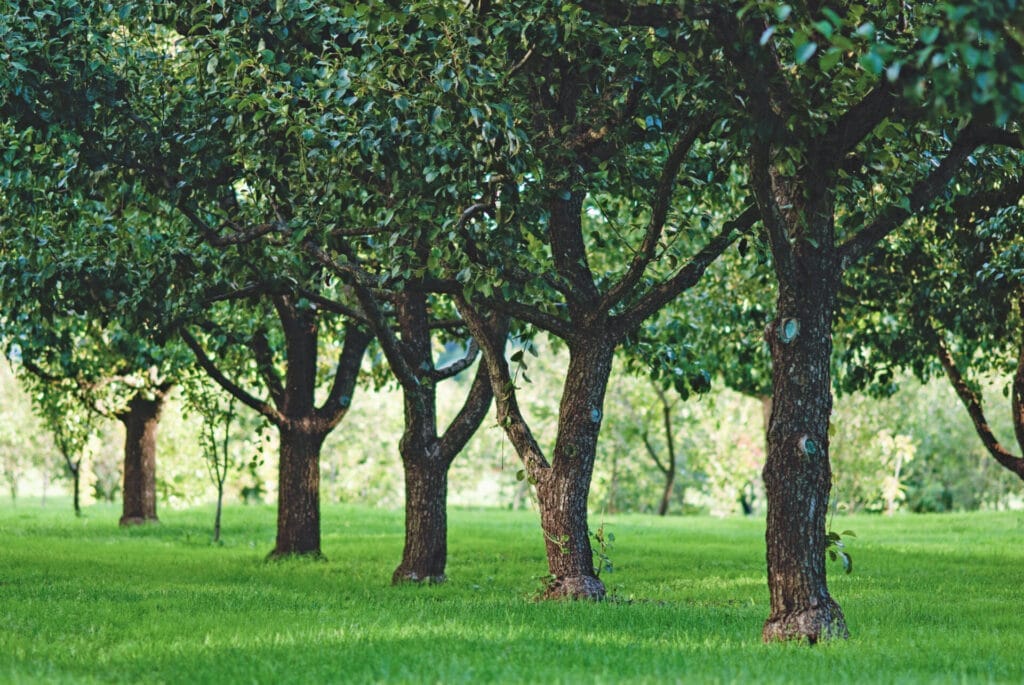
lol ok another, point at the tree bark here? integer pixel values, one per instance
(139, 491)
(670, 446)
(426, 456)
(298, 496)
(562, 490)
(301, 425)
(425, 554)
(797, 473)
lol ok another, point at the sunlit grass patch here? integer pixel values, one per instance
(931, 599)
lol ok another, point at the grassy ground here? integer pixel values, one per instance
(931, 599)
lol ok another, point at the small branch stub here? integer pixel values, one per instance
(807, 446)
(788, 330)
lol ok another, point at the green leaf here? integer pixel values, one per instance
(805, 51)
(872, 63)
(866, 30)
(929, 34)
(830, 59)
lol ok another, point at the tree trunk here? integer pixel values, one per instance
(76, 487)
(298, 500)
(666, 496)
(670, 446)
(426, 520)
(217, 514)
(563, 489)
(139, 493)
(797, 474)
(426, 457)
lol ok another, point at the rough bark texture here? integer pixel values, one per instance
(562, 491)
(797, 474)
(425, 554)
(139, 493)
(298, 498)
(426, 456)
(302, 426)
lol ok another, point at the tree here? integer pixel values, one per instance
(611, 139)
(825, 96)
(384, 150)
(215, 439)
(160, 144)
(76, 304)
(950, 301)
(71, 425)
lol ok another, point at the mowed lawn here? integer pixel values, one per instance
(936, 598)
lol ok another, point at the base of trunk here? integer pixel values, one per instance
(813, 624)
(575, 587)
(313, 555)
(136, 521)
(403, 576)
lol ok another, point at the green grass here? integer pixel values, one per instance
(931, 599)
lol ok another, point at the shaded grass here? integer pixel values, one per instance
(932, 599)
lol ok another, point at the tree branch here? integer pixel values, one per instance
(265, 364)
(245, 292)
(339, 399)
(334, 306)
(510, 417)
(478, 399)
(775, 223)
(856, 124)
(267, 410)
(458, 366)
(239, 237)
(923, 193)
(656, 298)
(659, 214)
(531, 315)
(973, 404)
(645, 436)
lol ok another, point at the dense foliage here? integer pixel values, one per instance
(290, 196)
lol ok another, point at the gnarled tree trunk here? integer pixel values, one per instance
(563, 489)
(139, 491)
